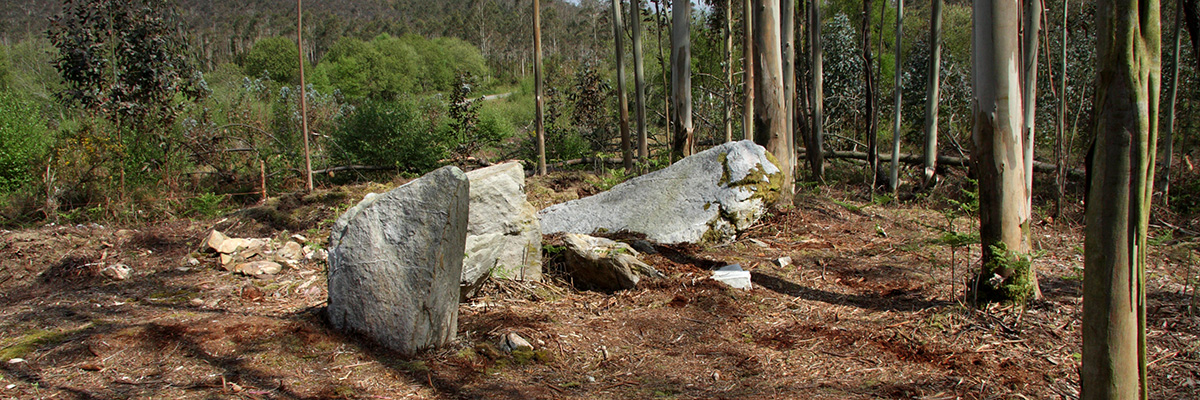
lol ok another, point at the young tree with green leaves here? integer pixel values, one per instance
(124, 60)
(1121, 171)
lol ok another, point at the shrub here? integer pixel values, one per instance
(276, 57)
(399, 134)
(23, 141)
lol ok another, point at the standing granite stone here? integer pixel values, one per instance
(709, 196)
(395, 260)
(504, 238)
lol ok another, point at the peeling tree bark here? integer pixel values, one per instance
(998, 158)
(770, 116)
(1118, 199)
(681, 78)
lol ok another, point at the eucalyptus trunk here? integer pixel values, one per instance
(1172, 95)
(787, 33)
(816, 152)
(728, 70)
(998, 154)
(639, 79)
(539, 95)
(308, 178)
(681, 78)
(748, 71)
(894, 181)
(770, 108)
(932, 94)
(1060, 149)
(663, 61)
(872, 98)
(1121, 173)
(623, 100)
(1029, 53)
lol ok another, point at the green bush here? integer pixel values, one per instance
(276, 57)
(23, 141)
(401, 134)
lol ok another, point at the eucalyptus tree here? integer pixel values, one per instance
(748, 71)
(770, 118)
(1004, 211)
(639, 79)
(932, 94)
(681, 78)
(816, 150)
(894, 180)
(1118, 200)
(623, 100)
(1172, 96)
(539, 90)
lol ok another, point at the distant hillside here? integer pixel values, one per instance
(222, 30)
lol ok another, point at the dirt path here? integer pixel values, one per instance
(865, 311)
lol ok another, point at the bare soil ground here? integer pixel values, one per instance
(871, 307)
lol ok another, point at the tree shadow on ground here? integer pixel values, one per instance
(900, 301)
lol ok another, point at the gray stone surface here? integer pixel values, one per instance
(504, 237)
(395, 260)
(604, 264)
(709, 196)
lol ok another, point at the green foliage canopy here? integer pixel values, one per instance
(276, 57)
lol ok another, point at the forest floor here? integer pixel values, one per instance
(872, 306)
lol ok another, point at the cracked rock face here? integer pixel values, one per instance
(709, 196)
(395, 261)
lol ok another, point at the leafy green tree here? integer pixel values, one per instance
(399, 69)
(276, 58)
(350, 67)
(124, 60)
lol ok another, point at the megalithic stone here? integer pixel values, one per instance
(395, 260)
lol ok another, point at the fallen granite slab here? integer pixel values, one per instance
(604, 264)
(395, 260)
(710, 196)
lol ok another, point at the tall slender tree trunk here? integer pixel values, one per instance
(1172, 94)
(894, 181)
(748, 71)
(787, 32)
(308, 178)
(1032, 25)
(932, 94)
(639, 79)
(770, 115)
(681, 77)
(623, 100)
(728, 70)
(663, 61)
(539, 87)
(1118, 199)
(816, 154)
(998, 154)
(1060, 149)
(872, 98)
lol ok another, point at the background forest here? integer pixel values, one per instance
(396, 86)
